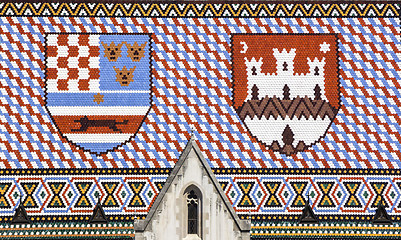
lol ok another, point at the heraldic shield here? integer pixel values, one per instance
(286, 87)
(98, 87)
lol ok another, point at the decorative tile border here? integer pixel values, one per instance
(352, 195)
(71, 195)
(67, 231)
(260, 230)
(266, 194)
(336, 230)
(199, 10)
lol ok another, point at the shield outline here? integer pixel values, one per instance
(78, 147)
(233, 85)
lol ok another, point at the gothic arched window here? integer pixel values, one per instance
(193, 202)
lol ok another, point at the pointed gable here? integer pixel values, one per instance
(192, 169)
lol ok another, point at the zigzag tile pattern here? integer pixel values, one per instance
(265, 230)
(192, 88)
(76, 195)
(329, 195)
(198, 10)
(299, 107)
(282, 194)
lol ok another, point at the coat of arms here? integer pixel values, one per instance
(286, 87)
(98, 87)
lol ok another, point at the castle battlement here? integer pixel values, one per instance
(272, 84)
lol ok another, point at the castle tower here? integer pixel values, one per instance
(256, 79)
(254, 67)
(316, 67)
(284, 61)
(285, 83)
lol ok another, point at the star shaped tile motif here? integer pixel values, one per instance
(98, 98)
(324, 47)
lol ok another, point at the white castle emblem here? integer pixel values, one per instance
(285, 110)
(299, 84)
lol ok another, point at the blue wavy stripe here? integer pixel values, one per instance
(109, 99)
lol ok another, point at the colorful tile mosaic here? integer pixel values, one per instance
(68, 231)
(72, 195)
(192, 86)
(200, 10)
(282, 195)
(266, 194)
(339, 230)
(287, 102)
(98, 87)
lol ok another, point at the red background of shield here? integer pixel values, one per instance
(307, 45)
